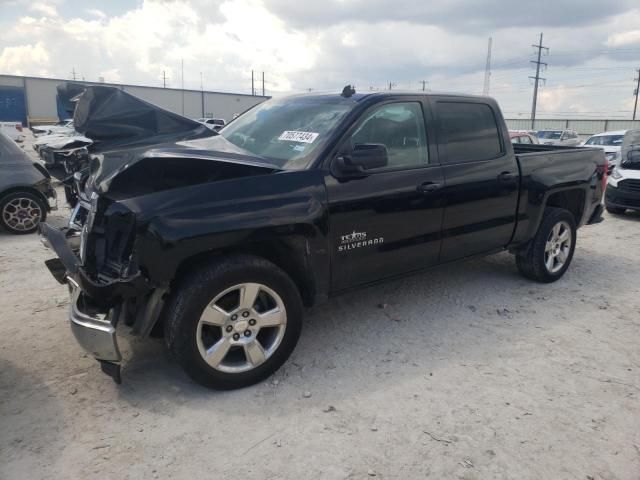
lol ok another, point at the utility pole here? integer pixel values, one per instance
(391, 85)
(424, 84)
(537, 78)
(253, 90)
(263, 84)
(636, 92)
(201, 82)
(164, 79)
(73, 73)
(487, 70)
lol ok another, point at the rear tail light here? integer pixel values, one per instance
(19, 127)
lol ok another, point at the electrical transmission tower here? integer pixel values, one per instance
(636, 92)
(537, 78)
(487, 70)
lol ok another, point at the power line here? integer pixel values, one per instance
(537, 79)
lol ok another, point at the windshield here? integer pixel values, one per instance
(550, 134)
(606, 140)
(287, 131)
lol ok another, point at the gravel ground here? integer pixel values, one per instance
(467, 371)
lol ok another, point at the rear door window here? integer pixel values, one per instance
(469, 131)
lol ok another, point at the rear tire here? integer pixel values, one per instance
(549, 254)
(21, 212)
(615, 210)
(223, 339)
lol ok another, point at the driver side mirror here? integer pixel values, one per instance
(362, 157)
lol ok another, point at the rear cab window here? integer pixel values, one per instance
(469, 131)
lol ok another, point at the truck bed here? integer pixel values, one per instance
(549, 169)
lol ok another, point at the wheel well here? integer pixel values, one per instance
(279, 252)
(31, 190)
(571, 200)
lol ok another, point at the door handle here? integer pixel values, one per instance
(506, 177)
(429, 187)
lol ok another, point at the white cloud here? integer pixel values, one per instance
(44, 8)
(94, 12)
(630, 37)
(226, 39)
(25, 59)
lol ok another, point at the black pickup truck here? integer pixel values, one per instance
(220, 242)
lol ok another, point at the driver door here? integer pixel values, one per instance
(387, 222)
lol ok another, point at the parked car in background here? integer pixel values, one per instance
(13, 130)
(63, 127)
(567, 138)
(623, 186)
(518, 136)
(213, 123)
(56, 148)
(26, 193)
(611, 143)
(220, 241)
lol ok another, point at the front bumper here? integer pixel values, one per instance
(622, 198)
(95, 307)
(93, 327)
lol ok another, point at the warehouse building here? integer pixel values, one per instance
(33, 100)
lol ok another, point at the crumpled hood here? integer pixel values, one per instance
(113, 118)
(183, 159)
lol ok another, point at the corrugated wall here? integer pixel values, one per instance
(583, 127)
(41, 98)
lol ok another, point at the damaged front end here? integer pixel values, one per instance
(108, 252)
(100, 270)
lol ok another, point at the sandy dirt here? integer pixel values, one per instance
(469, 371)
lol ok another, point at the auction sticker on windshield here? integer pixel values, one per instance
(294, 136)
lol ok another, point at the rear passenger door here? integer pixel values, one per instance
(481, 177)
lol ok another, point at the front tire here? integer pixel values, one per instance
(21, 212)
(233, 322)
(549, 254)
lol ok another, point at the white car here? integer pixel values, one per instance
(13, 130)
(566, 138)
(623, 186)
(212, 123)
(64, 127)
(611, 143)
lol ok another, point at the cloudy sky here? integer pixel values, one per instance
(323, 45)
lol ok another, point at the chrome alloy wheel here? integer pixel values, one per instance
(241, 328)
(558, 246)
(22, 214)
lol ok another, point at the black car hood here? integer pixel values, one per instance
(113, 118)
(173, 165)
